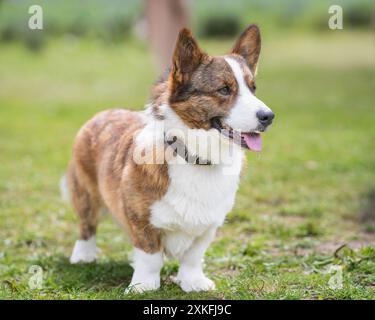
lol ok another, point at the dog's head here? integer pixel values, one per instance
(219, 91)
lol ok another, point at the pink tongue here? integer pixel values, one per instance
(253, 141)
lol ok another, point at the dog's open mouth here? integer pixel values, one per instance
(248, 140)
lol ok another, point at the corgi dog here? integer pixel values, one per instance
(169, 174)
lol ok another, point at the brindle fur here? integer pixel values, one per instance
(103, 173)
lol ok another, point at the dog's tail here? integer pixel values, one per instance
(64, 191)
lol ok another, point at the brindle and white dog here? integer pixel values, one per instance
(171, 207)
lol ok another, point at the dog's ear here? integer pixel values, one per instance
(248, 46)
(186, 58)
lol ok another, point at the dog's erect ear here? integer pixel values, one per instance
(248, 46)
(186, 58)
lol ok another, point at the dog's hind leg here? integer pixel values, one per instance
(86, 202)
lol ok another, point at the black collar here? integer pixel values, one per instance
(180, 149)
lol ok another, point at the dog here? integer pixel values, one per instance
(165, 173)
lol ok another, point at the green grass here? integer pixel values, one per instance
(299, 201)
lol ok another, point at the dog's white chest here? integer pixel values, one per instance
(198, 197)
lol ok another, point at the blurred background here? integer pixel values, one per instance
(310, 191)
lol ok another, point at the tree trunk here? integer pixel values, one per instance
(164, 20)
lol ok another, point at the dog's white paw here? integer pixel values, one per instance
(84, 251)
(153, 283)
(146, 276)
(195, 283)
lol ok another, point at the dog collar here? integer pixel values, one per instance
(181, 149)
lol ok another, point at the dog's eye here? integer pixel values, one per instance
(225, 91)
(253, 88)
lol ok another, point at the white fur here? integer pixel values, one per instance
(146, 274)
(242, 116)
(84, 251)
(196, 203)
(150, 137)
(197, 200)
(190, 274)
(198, 197)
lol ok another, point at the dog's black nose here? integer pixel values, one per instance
(265, 117)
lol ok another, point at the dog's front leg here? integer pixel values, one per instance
(147, 268)
(190, 274)
(147, 259)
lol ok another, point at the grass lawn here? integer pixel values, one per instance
(309, 192)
